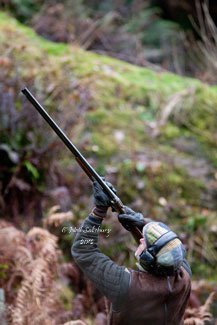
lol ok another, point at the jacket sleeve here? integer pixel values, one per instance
(111, 279)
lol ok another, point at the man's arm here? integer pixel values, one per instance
(111, 279)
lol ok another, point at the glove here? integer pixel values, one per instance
(131, 218)
(101, 200)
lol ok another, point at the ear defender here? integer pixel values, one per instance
(148, 257)
(147, 260)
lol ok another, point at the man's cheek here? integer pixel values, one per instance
(138, 252)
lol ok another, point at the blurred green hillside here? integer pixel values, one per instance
(153, 134)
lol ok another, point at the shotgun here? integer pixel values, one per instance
(88, 169)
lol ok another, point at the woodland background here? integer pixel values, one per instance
(133, 84)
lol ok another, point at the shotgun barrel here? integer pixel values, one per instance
(88, 169)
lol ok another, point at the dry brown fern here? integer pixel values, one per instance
(10, 236)
(46, 245)
(198, 316)
(23, 296)
(23, 259)
(57, 218)
(4, 224)
(41, 280)
(31, 283)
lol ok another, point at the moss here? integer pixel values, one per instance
(66, 297)
(123, 81)
(112, 133)
(172, 184)
(171, 131)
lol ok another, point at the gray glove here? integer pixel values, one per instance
(132, 218)
(100, 198)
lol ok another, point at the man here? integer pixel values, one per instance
(158, 292)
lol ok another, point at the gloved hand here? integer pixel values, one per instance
(132, 218)
(100, 198)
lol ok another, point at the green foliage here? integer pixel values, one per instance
(151, 29)
(32, 170)
(196, 221)
(172, 131)
(24, 9)
(66, 297)
(4, 267)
